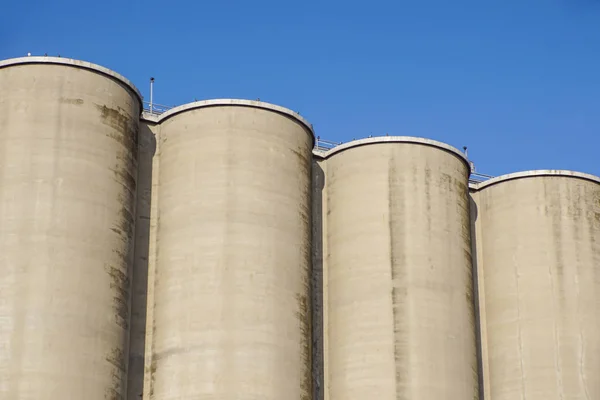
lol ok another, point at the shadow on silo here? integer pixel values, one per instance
(139, 285)
(474, 212)
(318, 183)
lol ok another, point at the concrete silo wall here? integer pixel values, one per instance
(231, 290)
(205, 252)
(399, 309)
(68, 133)
(144, 262)
(539, 252)
(319, 279)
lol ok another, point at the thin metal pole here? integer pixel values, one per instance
(151, 93)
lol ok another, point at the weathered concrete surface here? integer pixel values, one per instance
(152, 259)
(231, 295)
(540, 255)
(68, 138)
(145, 227)
(479, 295)
(69, 62)
(319, 204)
(399, 314)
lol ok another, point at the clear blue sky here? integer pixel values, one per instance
(518, 81)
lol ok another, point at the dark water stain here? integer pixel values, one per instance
(446, 182)
(127, 198)
(116, 358)
(460, 186)
(304, 158)
(125, 228)
(122, 256)
(126, 127)
(555, 208)
(125, 177)
(303, 299)
(113, 394)
(153, 367)
(64, 100)
(128, 179)
(397, 210)
(427, 184)
(303, 315)
(120, 287)
(127, 216)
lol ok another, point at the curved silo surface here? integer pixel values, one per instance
(231, 298)
(398, 264)
(540, 254)
(67, 182)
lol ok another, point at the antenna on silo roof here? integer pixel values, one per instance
(466, 152)
(151, 92)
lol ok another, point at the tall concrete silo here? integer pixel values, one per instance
(67, 193)
(539, 252)
(399, 312)
(231, 290)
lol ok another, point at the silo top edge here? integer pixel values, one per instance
(319, 154)
(395, 139)
(536, 173)
(72, 63)
(237, 102)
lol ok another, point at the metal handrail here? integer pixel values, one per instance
(156, 109)
(476, 177)
(320, 144)
(324, 145)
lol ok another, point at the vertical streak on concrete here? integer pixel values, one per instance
(325, 284)
(152, 254)
(139, 300)
(397, 237)
(317, 294)
(479, 298)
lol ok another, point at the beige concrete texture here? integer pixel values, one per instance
(144, 262)
(68, 137)
(231, 288)
(318, 278)
(479, 296)
(539, 254)
(399, 308)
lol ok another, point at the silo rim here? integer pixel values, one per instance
(395, 139)
(240, 103)
(537, 173)
(73, 63)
